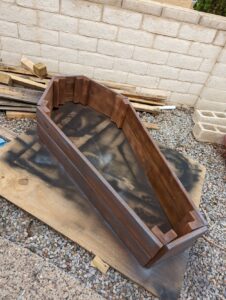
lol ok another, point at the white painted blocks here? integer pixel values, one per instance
(214, 22)
(10, 58)
(78, 42)
(115, 49)
(143, 7)
(95, 60)
(150, 55)
(210, 105)
(108, 2)
(181, 14)
(131, 66)
(167, 44)
(174, 85)
(205, 132)
(220, 38)
(81, 9)
(214, 95)
(144, 81)
(57, 22)
(219, 70)
(75, 69)
(13, 13)
(204, 50)
(59, 53)
(193, 76)
(8, 29)
(46, 5)
(111, 75)
(211, 117)
(222, 57)
(195, 89)
(217, 83)
(135, 37)
(121, 17)
(37, 34)
(184, 61)
(20, 46)
(183, 99)
(196, 33)
(207, 65)
(97, 29)
(163, 71)
(160, 26)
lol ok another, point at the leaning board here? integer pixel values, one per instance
(42, 188)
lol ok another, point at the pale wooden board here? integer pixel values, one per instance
(74, 216)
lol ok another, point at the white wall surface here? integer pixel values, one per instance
(138, 42)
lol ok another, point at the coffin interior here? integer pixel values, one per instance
(107, 148)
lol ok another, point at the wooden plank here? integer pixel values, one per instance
(7, 134)
(151, 108)
(28, 83)
(148, 102)
(20, 115)
(143, 96)
(8, 102)
(33, 78)
(145, 107)
(20, 94)
(27, 109)
(38, 69)
(40, 80)
(15, 70)
(121, 86)
(27, 64)
(5, 78)
(19, 70)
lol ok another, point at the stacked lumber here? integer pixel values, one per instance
(142, 99)
(22, 87)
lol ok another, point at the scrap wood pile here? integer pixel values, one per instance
(21, 88)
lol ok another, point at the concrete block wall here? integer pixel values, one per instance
(139, 42)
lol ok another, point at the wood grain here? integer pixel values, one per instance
(145, 244)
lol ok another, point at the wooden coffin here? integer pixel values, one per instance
(147, 244)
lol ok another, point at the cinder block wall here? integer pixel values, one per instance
(143, 43)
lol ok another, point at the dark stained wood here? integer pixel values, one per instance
(115, 210)
(146, 245)
(19, 94)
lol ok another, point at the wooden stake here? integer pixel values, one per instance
(5, 78)
(150, 125)
(20, 115)
(98, 263)
(29, 83)
(39, 69)
(151, 108)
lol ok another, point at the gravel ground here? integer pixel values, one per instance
(36, 278)
(204, 278)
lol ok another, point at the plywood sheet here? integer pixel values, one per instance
(41, 187)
